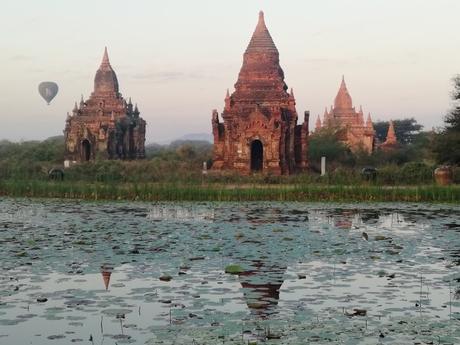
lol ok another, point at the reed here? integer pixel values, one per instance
(227, 192)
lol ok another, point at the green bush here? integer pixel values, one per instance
(416, 173)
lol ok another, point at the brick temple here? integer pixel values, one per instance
(259, 132)
(105, 126)
(349, 123)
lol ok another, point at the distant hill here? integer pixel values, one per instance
(155, 149)
(188, 137)
(197, 137)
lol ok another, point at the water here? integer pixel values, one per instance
(80, 272)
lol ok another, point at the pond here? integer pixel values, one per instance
(228, 273)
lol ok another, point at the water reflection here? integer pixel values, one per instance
(106, 271)
(275, 243)
(262, 287)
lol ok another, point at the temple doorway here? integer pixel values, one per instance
(257, 155)
(86, 150)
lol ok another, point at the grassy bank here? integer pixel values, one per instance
(226, 192)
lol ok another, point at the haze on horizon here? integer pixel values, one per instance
(177, 58)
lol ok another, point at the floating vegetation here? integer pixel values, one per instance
(234, 269)
(211, 273)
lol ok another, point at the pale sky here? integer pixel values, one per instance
(176, 58)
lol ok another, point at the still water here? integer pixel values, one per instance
(154, 273)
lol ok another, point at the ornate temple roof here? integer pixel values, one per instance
(105, 80)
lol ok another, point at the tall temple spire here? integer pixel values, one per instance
(391, 135)
(325, 115)
(369, 122)
(227, 100)
(361, 115)
(318, 123)
(105, 58)
(343, 99)
(105, 79)
(261, 39)
(261, 77)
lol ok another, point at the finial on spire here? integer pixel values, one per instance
(75, 108)
(129, 101)
(344, 84)
(105, 58)
(292, 92)
(261, 23)
(227, 95)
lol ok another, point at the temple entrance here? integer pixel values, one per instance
(257, 155)
(86, 150)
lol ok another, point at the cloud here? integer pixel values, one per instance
(20, 57)
(167, 76)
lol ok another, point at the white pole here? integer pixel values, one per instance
(323, 166)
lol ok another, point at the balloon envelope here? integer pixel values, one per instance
(48, 90)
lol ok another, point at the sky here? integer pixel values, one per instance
(176, 58)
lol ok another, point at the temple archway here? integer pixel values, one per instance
(257, 156)
(86, 150)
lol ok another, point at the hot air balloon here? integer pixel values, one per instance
(48, 90)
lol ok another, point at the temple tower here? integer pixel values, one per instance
(349, 123)
(104, 126)
(259, 132)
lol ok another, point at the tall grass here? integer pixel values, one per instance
(226, 192)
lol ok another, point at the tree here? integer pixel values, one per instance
(446, 144)
(325, 143)
(406, 130)
(453, 118)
